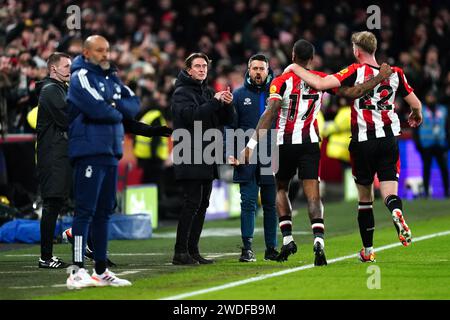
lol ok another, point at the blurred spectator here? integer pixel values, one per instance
(152, 38)
(446, 90)
(432, 139)
(432, 69)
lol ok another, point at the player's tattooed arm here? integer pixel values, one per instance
(363, 88)
(264, 124)
(266, 120)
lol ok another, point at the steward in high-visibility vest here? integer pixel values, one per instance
(433, 131)
(432, 140)
(152, 152)
(32, 117)
(338, 133)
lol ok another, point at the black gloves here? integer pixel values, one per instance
(161, 131)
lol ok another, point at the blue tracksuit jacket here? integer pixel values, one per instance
(95, 127)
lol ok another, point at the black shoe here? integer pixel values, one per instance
(271, 254)
(320, 259)
(53, 263)
(200, 259)
(247, 255)
(286, 251)
(183, 259)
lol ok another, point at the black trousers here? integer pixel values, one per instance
(196, 195)
(441, 157)
(152, 170)
(51, 208)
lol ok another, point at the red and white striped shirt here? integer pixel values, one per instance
(373, 116)
(300, 104)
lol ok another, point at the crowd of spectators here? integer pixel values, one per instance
(150, 40)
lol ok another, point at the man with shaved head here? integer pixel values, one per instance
(96, 51)
(98, 103)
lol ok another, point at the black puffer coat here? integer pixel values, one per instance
(194, 101)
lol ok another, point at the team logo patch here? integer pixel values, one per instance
(88, 172)
(273, 89)
(343, 71)
(247, 101)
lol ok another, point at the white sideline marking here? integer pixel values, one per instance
(283, 272)
(124, 273)
(218, 255)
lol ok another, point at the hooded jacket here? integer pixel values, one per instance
(53, 167)
(194, 101)
(250, 101)
(95, 125)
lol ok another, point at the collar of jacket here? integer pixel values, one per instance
(249, 84)
(184, 79)
(40, 84)
(80, 62)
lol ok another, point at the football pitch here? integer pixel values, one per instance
(420, 271)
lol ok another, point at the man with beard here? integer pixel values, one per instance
(295, 106)
(250, 103)
(98, 102)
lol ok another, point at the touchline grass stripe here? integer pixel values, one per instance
(287, 271)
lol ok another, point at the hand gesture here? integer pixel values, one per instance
(385, 70)
(218, 95)
(245, 155)
(414, 119)
(288, 68)
(227, 96)
(233, 161)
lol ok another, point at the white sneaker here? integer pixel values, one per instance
(79, 278)
(108, 278)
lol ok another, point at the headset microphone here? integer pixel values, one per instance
(60, 74)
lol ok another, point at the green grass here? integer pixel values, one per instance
(421, 271)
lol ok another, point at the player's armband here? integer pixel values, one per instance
(276, 90)
(347, 76)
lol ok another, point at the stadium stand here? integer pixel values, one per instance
(150, 39)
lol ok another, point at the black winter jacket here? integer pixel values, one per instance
(194, 101)
(53, 167)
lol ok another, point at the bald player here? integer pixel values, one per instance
(98, 103)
